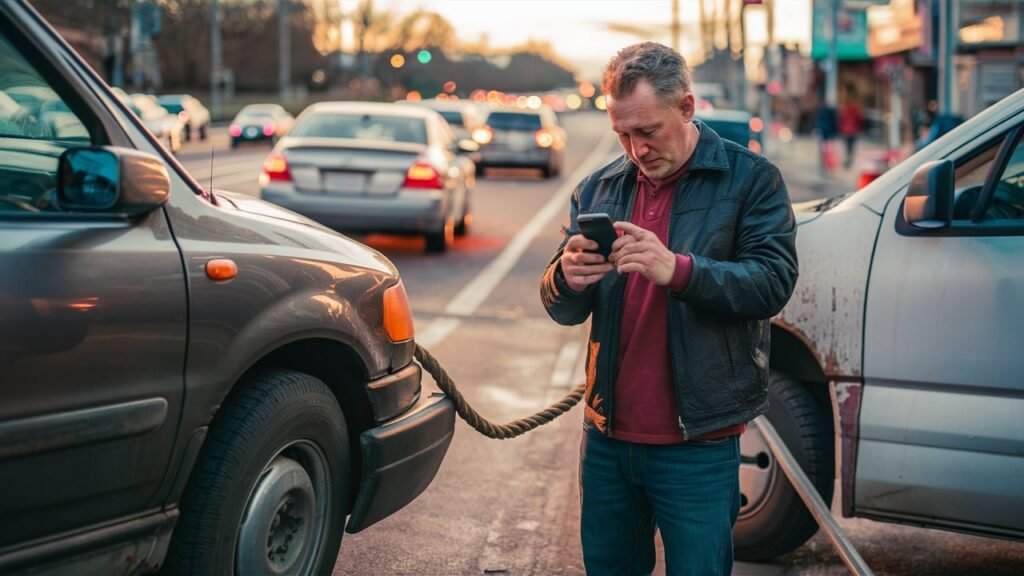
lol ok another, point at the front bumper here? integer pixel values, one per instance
(400, 458)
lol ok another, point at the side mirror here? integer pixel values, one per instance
(111, 179)
(929, 200)
(467, 146)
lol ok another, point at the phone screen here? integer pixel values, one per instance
(598, 227)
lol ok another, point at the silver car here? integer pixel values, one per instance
(374, 167)
(522, 138)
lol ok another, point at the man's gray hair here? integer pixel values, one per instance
(662, 67)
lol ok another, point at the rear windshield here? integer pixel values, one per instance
(172, 107)
(454, 117)
(254, 116)
(362, 127)
(738, 132)
(513, 121)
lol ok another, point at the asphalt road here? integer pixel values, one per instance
(511, 507)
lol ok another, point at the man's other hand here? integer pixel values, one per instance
(580, 268)
(639, 250)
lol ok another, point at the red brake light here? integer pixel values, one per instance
(276, 168)
(543, 138)
(422, 175)
(268, 130)
(235, 130)
(756, 124)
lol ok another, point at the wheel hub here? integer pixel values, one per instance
(286, 516)
(758, 471)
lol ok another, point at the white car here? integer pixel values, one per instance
(897, 366)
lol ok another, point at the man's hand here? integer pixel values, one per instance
(581, 269)
(639, 250)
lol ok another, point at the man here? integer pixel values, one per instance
(678, 355)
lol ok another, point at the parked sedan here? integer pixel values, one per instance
(259, 123)
(518, 138)
(190, 110)
(373, 167)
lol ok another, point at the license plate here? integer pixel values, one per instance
(250, 132)
(518, 141)
(345, 182)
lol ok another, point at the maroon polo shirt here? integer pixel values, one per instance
(645, 404)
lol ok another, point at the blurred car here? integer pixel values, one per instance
(463, 116)
(195, 382)
(167, 127)
(741, 127)
(517, 138)
(374, 167)
(260, 122)
(191, 111)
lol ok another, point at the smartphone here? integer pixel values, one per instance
(598, 227)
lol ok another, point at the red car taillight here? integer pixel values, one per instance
(422, 175)
(268, 130)
(235, 130)
(276, 169)
(543, 138)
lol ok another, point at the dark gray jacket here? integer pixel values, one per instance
(731, 213)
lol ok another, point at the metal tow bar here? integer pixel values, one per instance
(812, 499)
(796, 475)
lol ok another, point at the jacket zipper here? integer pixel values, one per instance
(671, 356)
(617, 291)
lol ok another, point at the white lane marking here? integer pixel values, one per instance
(222, 181)
(476, 292)
(200, 169)
(565, 366)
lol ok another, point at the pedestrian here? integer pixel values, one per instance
(851, 124)
(678, 356)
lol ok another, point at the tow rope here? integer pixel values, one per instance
(483, 425)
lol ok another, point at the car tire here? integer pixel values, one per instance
(773, 520)
(276, 462)
(437, 242)
(202, 132)
(462, 226)
(547, 171)
(188, 132)
(234, 143)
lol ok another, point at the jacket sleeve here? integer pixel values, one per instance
(758, 282)
(563, 304)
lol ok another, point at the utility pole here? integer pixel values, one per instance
(832, 73)
(675, 24)
(215, 61)
(284, 68)
(947, 47)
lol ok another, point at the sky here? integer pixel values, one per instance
(578, 29)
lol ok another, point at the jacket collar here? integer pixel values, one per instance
(708, 155)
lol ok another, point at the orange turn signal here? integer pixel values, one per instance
(397, 314)
(220, 269)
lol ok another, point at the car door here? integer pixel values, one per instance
(92, 318)
(943, 405)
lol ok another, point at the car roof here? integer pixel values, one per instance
(381, 108)
(724, 114)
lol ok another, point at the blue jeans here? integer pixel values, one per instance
(690, 492)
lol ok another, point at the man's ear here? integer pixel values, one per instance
(687, 106)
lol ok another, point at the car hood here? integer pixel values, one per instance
(303, 233)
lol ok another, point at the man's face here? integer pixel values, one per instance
(658, 137)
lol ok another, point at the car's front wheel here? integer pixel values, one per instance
(270, 490)
(773, 520)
